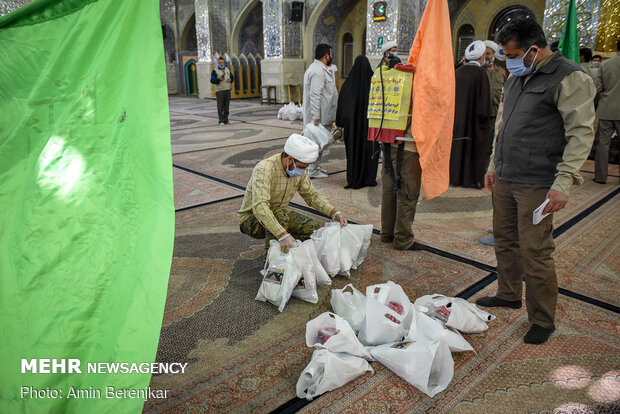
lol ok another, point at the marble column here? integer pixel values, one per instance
(205, 55)
(283, 63)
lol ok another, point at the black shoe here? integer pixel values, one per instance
(493, 302)
(599, 182)
(416, 247)
(538, 335)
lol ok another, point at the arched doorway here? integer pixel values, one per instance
(188, 39)
(247, 35)
(191, 78)
(507, 15)
(464, 37)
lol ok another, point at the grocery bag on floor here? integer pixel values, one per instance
(329, 331)
(317, 133)
(321, 275)
(290, 112)
(456, 313)
(280, 276)
(423, 327)
(306, 287)
(327, 243)
(354, 242)
(388, 314)
(328, 371)
(350, 304)
(427, 365)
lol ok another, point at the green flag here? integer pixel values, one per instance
(87, 222)
(569, 41)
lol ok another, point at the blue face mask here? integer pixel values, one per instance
(517, 67)
(221, 66)
(295, 172)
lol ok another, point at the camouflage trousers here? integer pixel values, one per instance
(297, 225)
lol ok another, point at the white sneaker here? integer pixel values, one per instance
(323, 170)
(221, 123)
(316, 174)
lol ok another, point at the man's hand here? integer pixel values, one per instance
(489, 181)
(557, 201)
(287, 242)
(337, 216)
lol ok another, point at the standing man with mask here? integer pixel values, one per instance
(497, 77)
(222, 79)
(320, 98)
(544, 138)
(264, 212)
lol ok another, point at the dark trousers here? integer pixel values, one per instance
(603, 139)
(524, 251)
(223, 103)
(398, 208)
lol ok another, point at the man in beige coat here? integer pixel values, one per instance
(607, 81)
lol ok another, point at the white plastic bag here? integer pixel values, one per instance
(328, 371)
(321, 275)
(462, 315)
(354, 242)
(423, 327)
(388, 314)
(280, 276)
(327, 243)
(350, 305)
(306, 287)
(427, 365)
(330, 331)
(318, 134)
(290, 112)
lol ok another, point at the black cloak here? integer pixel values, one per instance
(351, 115)
(470, 148)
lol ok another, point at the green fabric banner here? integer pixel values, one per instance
(569, 41)
(87, 222)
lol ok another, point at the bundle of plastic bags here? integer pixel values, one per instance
(328, 371)
(318, 134)
(341, 248)
(414, 341)
(456, 313)
(290, 112)
(427, 365)
(388, 314)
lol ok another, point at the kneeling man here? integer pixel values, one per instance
(275, 180)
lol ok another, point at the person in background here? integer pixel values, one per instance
(607, 81)
(320, 98)
(585, 56)
(352, 116)
(497, 77)
(390, 54)
(265, 213)
(544, 137)
(470, 145)
(595, 63)
(222, 78)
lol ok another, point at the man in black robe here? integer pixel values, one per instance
(351, 115)
(469, 156)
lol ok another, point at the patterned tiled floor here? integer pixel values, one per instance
(245, 356)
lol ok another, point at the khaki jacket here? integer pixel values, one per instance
(607, 83)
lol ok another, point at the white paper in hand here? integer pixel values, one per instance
(537, 216)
